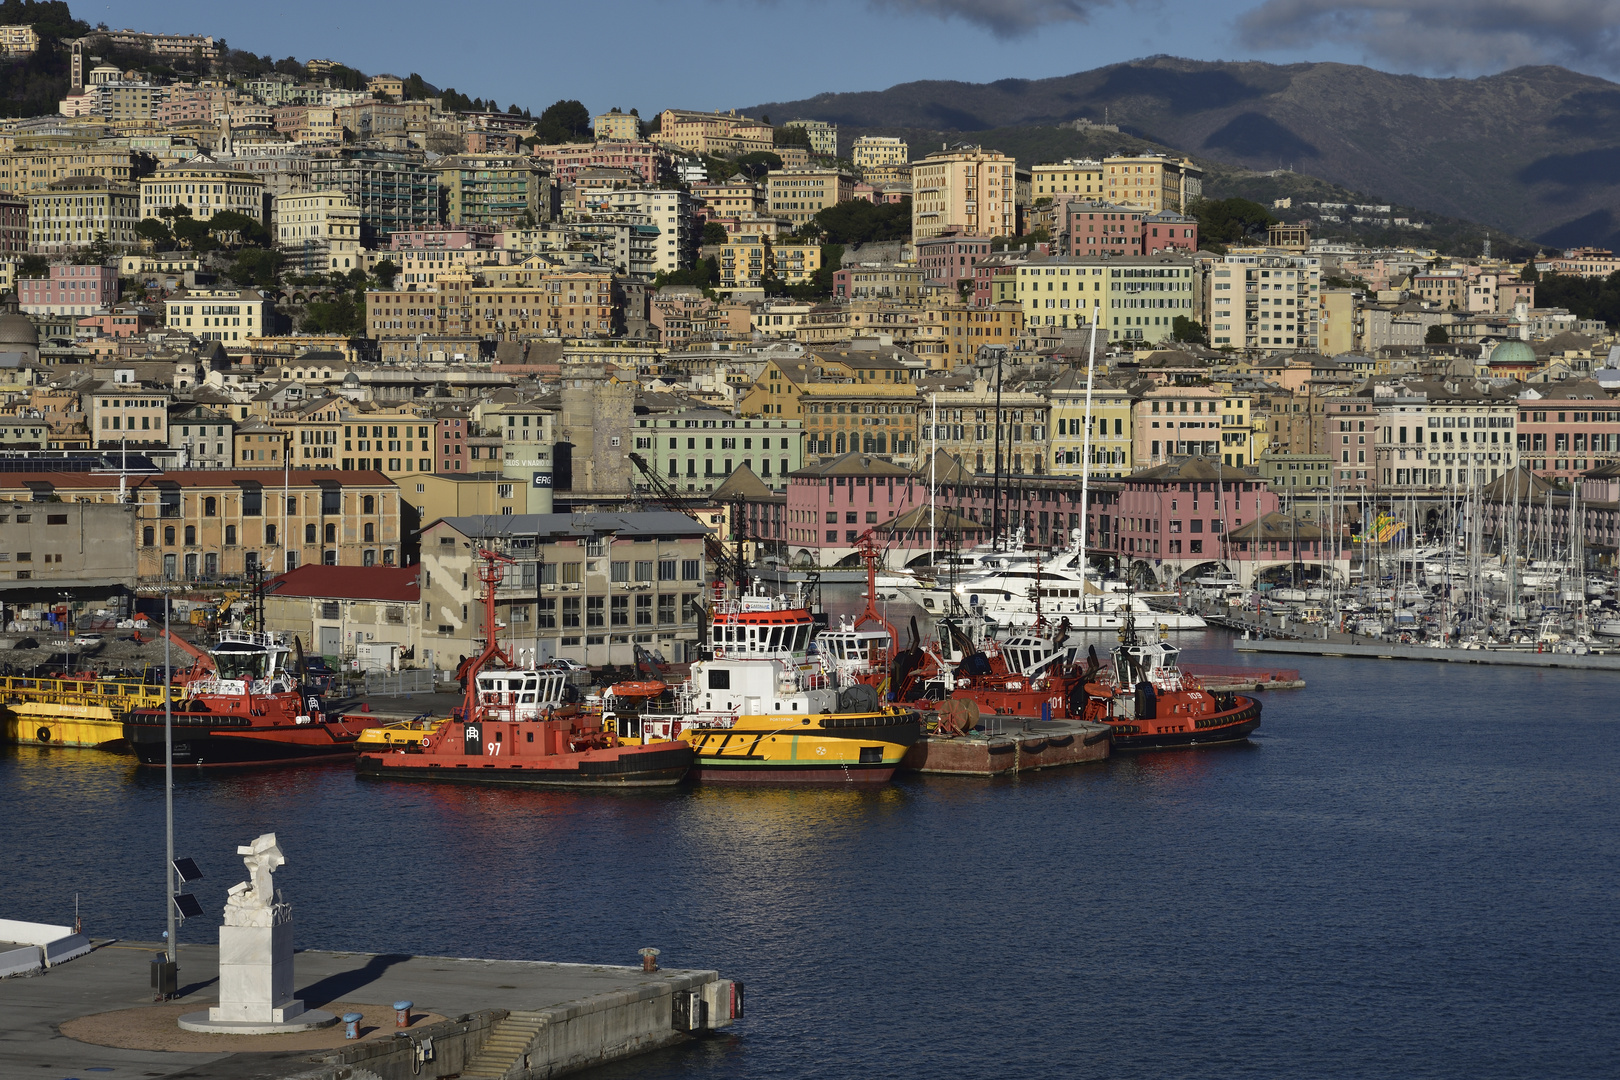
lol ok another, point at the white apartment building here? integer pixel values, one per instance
(216, 314)
(319, 232)
(671, 213)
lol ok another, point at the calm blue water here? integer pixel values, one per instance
(1411, 871)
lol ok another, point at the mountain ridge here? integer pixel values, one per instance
(1532, 150)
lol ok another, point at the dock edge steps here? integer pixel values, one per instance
(508, 1042)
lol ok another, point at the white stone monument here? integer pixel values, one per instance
(256, 956)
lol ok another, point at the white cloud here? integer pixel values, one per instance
(1460, 36)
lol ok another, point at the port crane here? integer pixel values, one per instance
(726, 565)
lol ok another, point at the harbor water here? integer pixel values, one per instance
(1411, 870)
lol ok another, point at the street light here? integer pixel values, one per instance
(170, 871)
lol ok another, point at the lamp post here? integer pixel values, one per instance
(168, 777)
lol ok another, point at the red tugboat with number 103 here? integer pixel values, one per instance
(507, 732)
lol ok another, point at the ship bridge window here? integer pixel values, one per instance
(719, 679)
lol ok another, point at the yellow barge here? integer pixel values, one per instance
(86, 713)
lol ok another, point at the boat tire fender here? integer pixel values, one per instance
(44, 734)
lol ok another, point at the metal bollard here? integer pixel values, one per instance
(402, 1013)
(649, 960)
(351, 1025)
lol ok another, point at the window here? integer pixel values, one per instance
(644, 610)
(594, 607)
(329, 609)
(644, 570)
(619, 571)
(548, 613)
(230, 536)
(309, 534)
(570, 610)
(191, 536)
(148, 536)
(691, 569)
(621, 611)
(666, 609)
(571, 574)
(331, 534)
(666, 569)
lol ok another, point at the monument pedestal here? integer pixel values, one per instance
(256, 959)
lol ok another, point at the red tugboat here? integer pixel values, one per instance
(507, 732)
(1151, 704)
(241, 706)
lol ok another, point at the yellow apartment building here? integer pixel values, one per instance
(1073, 176)
(1111, 435)
(950, 332)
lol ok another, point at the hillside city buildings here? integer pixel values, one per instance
(291, 323)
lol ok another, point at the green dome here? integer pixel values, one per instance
(1514, 352)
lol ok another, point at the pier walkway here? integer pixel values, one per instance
(97, 1014)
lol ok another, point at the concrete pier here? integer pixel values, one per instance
(471, 1018)
(1385, 651)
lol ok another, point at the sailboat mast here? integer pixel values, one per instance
(933, 458)
(1085, 465)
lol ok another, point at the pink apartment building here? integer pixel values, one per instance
(831, 504)
(70, 290)
(1174, 517)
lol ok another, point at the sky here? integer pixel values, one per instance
(717, 54)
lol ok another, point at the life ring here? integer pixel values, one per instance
(44, 734)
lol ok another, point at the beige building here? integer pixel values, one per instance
(586, 586)
(205, 187)
(971, 190)
(616, 126)
(73, 212)
(36, 163)
(875, 151)
(216, 314)
(371, 615)
(318, 232)
(209, 523)
(1266, 298)
(797, 195)
(441, 495)
(1153, 182)
(65, 545)
(18, 41)
(715, 134)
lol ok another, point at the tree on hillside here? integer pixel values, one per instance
(860, 222)
(565, 121)
(1188, 331)
(1436, 335)
(714, 233)
(758, 163)
(1231, 221)
(385, 272)
(791, 136)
